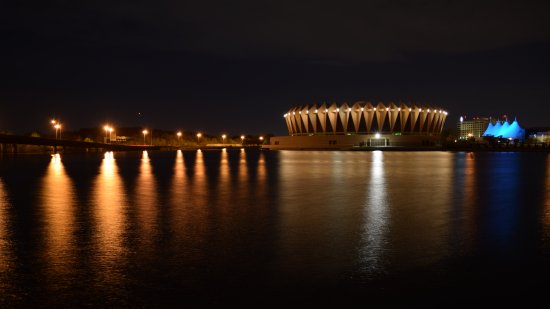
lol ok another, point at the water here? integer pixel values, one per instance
(279, 228)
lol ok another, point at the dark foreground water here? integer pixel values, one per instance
(274, 228)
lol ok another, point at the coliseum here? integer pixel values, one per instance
(362, 124)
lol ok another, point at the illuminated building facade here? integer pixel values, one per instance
(472, 128)
(361, 124)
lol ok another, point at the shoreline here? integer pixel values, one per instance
(450, 148)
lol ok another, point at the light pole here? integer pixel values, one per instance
(57, 126)
(178, 134)
(223, 138)
(261, 139)
(108, 129)
(242, 139)
(144, 133)
(198, 138)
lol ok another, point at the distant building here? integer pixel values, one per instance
(122, 139)
(475, 127)
(360, 124)
(539, 135)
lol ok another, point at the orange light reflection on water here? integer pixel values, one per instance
(58, 205)
(242, 180)
(6, 253)
(224, 181)
(261, 179)
(546, 215)
(146, 201)
(109, 204)
(200, 186)
(469, 202)
(179, 180)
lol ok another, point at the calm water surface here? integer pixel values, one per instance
(260, 228)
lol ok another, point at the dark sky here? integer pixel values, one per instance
(238, 66)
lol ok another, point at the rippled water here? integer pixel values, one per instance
(272, 228)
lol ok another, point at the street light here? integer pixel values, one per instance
(198, 138)
(223, 138)
(178, 134)
(57, 126)
(261, 138)
(144, 133)
(242, 139)
(109, 130)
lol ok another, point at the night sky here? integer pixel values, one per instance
(238, 66)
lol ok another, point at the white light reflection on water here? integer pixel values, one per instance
(373, 240)
(109, 204)
(58, 202)
(145, 200)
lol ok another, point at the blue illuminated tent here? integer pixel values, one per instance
(490, 129)
(496, 129)
(505, 130)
